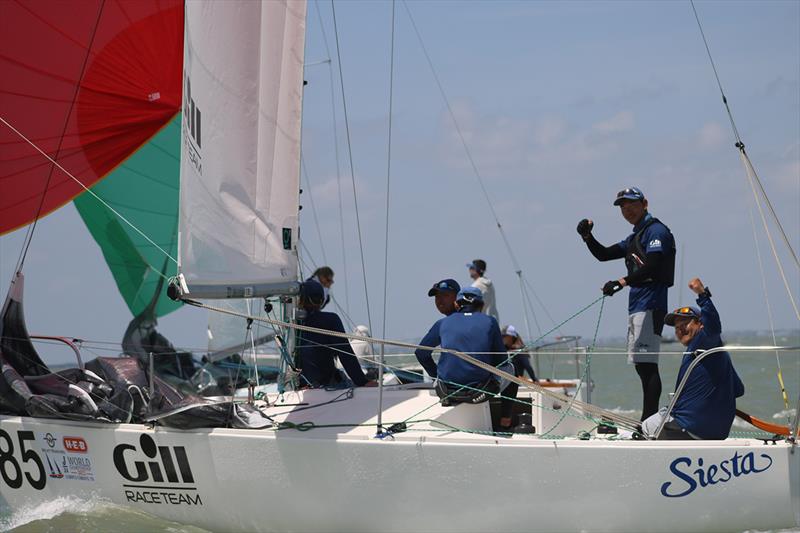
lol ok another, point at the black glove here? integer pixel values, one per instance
(612, 287)
(585, 227)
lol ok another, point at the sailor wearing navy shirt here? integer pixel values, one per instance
(445, 292)
(649, 253)
(473, 332)
(317, 352)
(707, 405)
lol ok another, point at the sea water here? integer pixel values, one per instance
(616, 388)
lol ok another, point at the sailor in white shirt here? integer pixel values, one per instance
(477, 268)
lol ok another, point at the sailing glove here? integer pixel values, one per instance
(612, 287)
(585, 228)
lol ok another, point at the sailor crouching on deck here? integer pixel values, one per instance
(470, 331)
(317, 352)
(707, 405)
(445, 293)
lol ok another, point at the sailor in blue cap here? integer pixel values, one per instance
(317, 352)
(473, 332)
(706, 407)
(444, 292)
(649, 253)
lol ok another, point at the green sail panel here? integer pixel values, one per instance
(145, 190)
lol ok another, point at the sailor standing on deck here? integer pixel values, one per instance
(477, 269)
(707, 405)
(649, 254)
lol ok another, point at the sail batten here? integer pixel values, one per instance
(240, 155)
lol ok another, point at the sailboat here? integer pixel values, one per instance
(354, 459)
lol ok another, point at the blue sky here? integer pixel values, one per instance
(561, 104)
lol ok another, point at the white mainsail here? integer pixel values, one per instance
(240, 156)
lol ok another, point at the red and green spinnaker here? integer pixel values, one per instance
(97, 86)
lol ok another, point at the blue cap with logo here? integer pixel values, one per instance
(470, 295)
(687, 312)
(446, 285)
(631, 193)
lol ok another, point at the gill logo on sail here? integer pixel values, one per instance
(689, 480)
(149, 470)
(193, 127)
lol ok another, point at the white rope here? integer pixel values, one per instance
(506, 242)
(91, 192)
(587, 409)
(749, 170)
(336, 154)
(769, 308)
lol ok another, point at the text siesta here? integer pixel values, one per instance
(703, 476)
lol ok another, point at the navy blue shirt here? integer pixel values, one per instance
(318, 352)
(472, 333)
(656, 238)
(707, 405)
(425, 357)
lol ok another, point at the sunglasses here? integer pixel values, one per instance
(628, 191)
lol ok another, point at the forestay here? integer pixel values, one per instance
(243, 82)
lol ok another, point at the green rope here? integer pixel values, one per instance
(556, 327)
(585, 368)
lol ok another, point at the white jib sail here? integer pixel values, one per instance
(240, 155)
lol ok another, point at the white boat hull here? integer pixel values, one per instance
(344, 479)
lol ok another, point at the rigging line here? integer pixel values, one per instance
(352, 168)
(386, 233)
(769, 307)
(740, 144)
(621, 419)
(769, 238)
(336, 154)
(527, 302)
(313, 207)
(468, 153)
(584, 407)
(540, 302)
(92, 193)
(586, 368)
(351, 324)
(32, 227)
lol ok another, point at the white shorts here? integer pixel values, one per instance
(651, 423)
(643, 343)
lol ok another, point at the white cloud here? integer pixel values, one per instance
(711, 135)
(549, 130)
(622, 121)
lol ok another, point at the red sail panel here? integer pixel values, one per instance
(121, 61)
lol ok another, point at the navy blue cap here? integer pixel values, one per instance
(446, 285)
(688, 312)
(312, 292)
(631, 193)
(470, 294)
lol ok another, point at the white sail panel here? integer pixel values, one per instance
(240, 156)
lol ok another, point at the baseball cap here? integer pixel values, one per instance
(446, 285)
(631, 193)
(688, 312)
(477, 264)
(470, 294)
(312, 292)
(509, 330)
